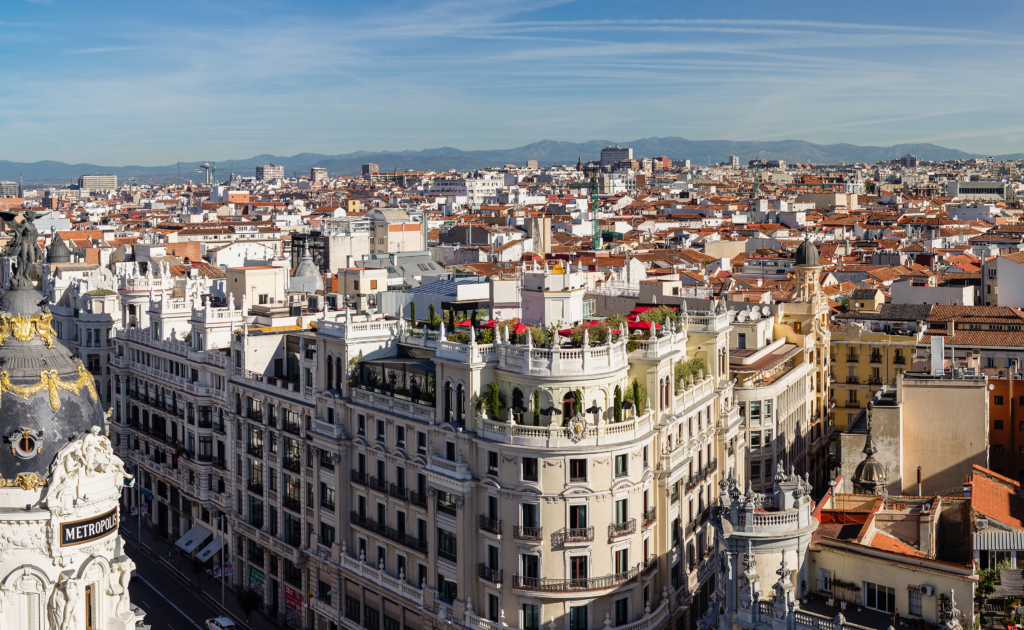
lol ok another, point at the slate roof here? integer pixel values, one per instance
(864, 294)
(895, 313)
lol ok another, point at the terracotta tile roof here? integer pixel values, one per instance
(997, 497)
(976, 314)
(979, 338)
(887, 542)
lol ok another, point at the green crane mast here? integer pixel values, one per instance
(593, 205)
(757, 164)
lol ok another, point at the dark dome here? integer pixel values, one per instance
(807, 254)
(869, 471)
(59, 252)
(34, 379)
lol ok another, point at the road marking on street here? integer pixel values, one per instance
(143, 580)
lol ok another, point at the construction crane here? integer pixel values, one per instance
(592, 186)
(211, 172)
(757, 164)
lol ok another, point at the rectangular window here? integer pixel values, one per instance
(492, 463)
(531, 617)
(621, 612)
(999, 424)
(577, 470)
(622, 561)
(767, 411)
(755, 412)
(915, 603)
(578, 618)
(880, 597)
(400, 437)
(421, 442)
(621, 511)
(755, 472)
(755, 439)
(997, 449)
(530, 468)
(531, 515)
(446, 503)
(578, 570)
(998, 400)
(621, 465)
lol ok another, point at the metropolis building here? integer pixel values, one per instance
(62, 562)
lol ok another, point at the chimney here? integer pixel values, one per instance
(938, 355)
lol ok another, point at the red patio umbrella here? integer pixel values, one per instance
(643, 326)
(565, 333)
(488, 324)
(465, 322)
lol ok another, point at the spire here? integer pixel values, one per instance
(869, 445)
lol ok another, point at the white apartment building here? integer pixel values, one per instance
(269, 172)
(476, 188)
(364, 474)
(98, 182)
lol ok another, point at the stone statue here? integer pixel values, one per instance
(62, 604)
(23, 246)
(117, 581)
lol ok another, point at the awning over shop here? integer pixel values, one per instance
(195, 536)
(210, 549)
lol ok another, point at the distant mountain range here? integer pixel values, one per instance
(546, 152)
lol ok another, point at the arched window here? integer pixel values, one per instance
(330, 373)
(448, 401)
(460, 403)
(567, 403)
(517, 405)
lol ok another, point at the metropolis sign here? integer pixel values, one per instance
(87, 530)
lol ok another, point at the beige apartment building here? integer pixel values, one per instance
(937, 424)
(353, 470)
(554, 511)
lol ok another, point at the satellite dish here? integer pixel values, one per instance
(732, 315)
(754, 316)
(741, 317)
(766, 311)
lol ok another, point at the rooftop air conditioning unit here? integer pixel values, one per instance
(927, 590)
(981, 523)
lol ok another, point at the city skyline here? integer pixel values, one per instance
(135, 84)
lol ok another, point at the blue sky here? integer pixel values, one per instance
(117, 82)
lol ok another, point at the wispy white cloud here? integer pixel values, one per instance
(480, 74)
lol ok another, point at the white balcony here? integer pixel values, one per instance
(558, 436)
